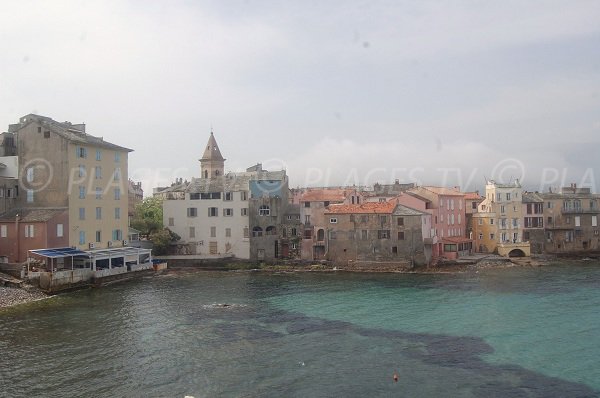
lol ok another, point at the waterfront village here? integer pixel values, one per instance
(66, 203)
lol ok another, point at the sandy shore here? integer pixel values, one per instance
(10, 296)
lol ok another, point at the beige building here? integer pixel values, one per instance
(61, 165)
(497, 225)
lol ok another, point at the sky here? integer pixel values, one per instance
(334, 92)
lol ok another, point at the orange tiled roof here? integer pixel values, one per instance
(456, 239)
(364, 208)
(473, 196)
(323, 195)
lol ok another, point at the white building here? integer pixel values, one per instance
(210, 213)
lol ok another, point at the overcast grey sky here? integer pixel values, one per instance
(335, 92)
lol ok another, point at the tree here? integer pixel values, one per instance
(161, 240)
(148, 216)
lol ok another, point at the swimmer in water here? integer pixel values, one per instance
(396, 377)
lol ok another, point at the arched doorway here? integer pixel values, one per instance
(320, 235)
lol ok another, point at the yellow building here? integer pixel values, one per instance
(497, 226)
(63, 166)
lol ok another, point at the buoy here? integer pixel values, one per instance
(396, 377)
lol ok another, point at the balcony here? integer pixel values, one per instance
(580, 211)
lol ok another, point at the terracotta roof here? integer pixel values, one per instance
(364, 208)
(324, 195)
(473, 196)
(456, 239)
(32, 215)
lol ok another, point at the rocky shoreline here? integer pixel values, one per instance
(11, 296)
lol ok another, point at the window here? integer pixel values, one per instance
(98, 213)
(192, 232)
(381, 200)
(515, 222)
(117, 213)
(508, 196)
(326, 203)
(228, 196)
(452, 219)
(400, 221)
(30, 196)
(577, 221)
(228, 232)
(364, 219)
(228, 212)
(117, 234)
(117, 157)
(82, 170)
(171, 222)
(29, 231)
(306, 204)
(244, 212)
(333, 220)
(4, 231)
(307, 219)
(98, 154)
(594, 221)
(264, 210)
(194, 196)
(81, 152)
(29, 173)
(81, 192)
(383, 234)
(498, 197)
(452, 204)
(98, 193)
(98, 236)
(549, 220)
(210, 195)
(550, 205)
(81, 237)
(117, 174)
(492, 236)
(98, 172)
(213, 232)
(383, 219)
(502, 209)
(332, 235)
(213, 211)
(192, 212)
(59, 230)
(244, 195)
(480, 236)
(82, 213)
(271, 230)
(459, 219)
(246, 232)
(491, 221)
(480, 221)
(257, 232)
(117, 193)
(400, 235)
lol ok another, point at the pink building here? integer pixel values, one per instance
(448, 217)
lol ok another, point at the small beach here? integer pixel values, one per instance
(10, 296)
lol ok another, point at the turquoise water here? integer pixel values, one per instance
(531, 332)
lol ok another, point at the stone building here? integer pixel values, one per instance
(313, 205)
(533, 221)
(9, 182)
(571, 217)
(375, 232)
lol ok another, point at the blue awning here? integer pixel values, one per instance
(60, 252)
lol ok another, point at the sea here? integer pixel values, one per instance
(492, 332)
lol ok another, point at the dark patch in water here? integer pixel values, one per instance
(241, 331)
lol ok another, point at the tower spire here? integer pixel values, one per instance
(212, 163)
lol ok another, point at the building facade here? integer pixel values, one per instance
(375, 232)
(498, 224)
(571, 220)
